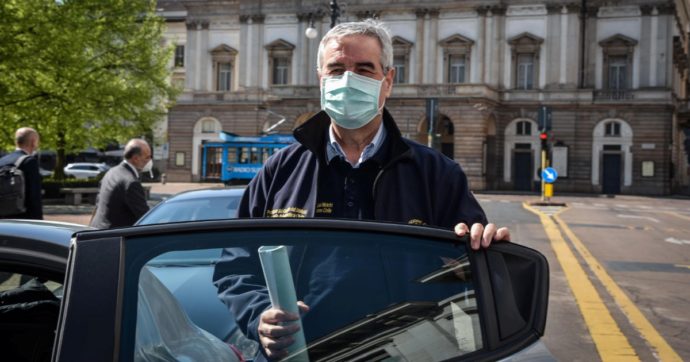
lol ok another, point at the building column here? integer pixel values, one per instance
(654, 48)
(203, 52)
(433, 74)
(420, 40)
(478, 74)
(259, 51)
(562, 76)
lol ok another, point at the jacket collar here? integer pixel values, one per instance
(313, 134)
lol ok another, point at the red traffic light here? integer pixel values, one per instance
(543, 136)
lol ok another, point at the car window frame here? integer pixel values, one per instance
(120, 245)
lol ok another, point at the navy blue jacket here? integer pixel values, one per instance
(417, 185)
(32, 184)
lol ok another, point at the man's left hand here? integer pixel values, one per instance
(482, 236)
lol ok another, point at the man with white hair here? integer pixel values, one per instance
(350, 161)
(27, 141)
(121, 199)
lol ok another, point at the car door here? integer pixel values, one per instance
(376, 291)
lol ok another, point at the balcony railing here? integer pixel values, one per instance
(614, 95)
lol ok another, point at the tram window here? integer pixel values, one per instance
(232, 155)
(255, 155)
(266, 153)
(244, 156)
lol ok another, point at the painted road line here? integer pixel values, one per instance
(679, 215)
(610, 342)
(638, 217)
(682, 266)
(677, 241)
(635, 316)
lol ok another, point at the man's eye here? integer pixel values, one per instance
(335, 72)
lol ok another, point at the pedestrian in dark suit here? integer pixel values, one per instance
(121, 199)
(27, 140)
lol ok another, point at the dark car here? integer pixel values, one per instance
(33, 262)
(426, 297)
(204, 204)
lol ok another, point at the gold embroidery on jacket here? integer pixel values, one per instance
(324, 208)
(416, 222)
(287, 212)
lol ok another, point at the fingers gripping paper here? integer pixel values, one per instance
(281, 290)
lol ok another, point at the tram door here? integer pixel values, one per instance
(522, 167)
(611, 173)
(213, 163)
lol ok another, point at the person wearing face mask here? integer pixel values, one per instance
(27, 141)
(121, 199)
(350, 161)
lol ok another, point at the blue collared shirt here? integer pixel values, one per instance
(334, 149)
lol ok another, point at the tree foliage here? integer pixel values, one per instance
(82, 72)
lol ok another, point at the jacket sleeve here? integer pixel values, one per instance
(32, 180)
(460, 204)
(136, 199)
(241, 287)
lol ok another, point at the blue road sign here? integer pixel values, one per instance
(549, 175)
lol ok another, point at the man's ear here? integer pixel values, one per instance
(390, 75)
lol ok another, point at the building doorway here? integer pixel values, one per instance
(213, 165)
(522, 167)
(443, 140)
(611, 170)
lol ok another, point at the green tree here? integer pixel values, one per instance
(82, 72)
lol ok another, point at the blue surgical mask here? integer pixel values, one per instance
(351, 100)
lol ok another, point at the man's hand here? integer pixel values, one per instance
(480, 235)
(275, 334)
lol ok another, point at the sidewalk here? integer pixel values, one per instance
(159, 192)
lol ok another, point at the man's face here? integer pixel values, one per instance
(359, 54)
(142, 159)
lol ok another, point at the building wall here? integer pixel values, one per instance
(570, 80)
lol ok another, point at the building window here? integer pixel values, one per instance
(399, 65)
(280, 70)
(525, 71)
(279, 61)
(524, 128)
(525, 49)
(179, 56)
(179, 159)
(618, 72)
(401, 59)
(457, 50)
(223, 57)
(618, 51)
(456, 68)
(208, 126)
(224, 76)
(612, 129)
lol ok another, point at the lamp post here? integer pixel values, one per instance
(311, 31)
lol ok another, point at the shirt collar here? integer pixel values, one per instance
(136, 173)
(333, 148)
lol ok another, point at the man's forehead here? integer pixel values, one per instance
(353, 44)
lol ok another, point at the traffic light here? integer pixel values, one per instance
(544, 137)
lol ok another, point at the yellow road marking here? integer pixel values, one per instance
(682, 266)
(635, 316)
(611, 343)
(678, 215)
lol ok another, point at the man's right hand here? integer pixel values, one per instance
(275, 333)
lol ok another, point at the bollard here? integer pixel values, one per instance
(163, 178)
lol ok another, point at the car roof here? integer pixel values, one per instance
(50, 232)
(86, 164)
(207, 193)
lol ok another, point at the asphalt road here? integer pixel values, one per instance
(635, 252)
(632, 301)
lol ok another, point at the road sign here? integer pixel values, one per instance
(549, 175)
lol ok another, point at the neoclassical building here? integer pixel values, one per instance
(610, 74)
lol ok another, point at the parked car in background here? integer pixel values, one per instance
(85, 170)
(203, 204)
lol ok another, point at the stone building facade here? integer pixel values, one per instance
(608, 73)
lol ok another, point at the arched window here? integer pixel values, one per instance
(612, 129)
(208, 126)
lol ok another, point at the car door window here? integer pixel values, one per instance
(371, 294)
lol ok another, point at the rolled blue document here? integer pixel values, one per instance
(281, 289)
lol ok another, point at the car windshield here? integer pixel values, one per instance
(212, 208)
(371, 294)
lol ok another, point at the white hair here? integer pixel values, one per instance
(368, 27)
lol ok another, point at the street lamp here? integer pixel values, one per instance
(311, 31)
